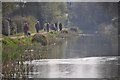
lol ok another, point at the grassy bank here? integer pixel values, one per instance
(14, 48)
(19, 49)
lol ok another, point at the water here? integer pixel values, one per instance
(85, 56)
(92, 67)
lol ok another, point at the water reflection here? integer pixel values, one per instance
(71, 62)
(85, 45)
(96, 45)
(91, 67)
(84, 56)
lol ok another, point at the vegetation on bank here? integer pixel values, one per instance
(13, 48)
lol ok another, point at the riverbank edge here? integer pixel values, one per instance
(14, 47)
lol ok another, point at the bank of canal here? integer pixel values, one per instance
(17, 50)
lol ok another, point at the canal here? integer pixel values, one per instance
(84, 56)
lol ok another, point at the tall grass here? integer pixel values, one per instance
(13, 48)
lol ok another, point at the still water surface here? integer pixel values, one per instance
(85, 56)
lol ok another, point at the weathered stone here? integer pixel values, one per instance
(40, 38)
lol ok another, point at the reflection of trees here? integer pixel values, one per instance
(55, 51)
(44, 52)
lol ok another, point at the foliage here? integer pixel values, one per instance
(53, 12)
(19, 21)
(32, 11)
(7, 8)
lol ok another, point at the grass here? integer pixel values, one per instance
(13, 48)
(17, 50)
